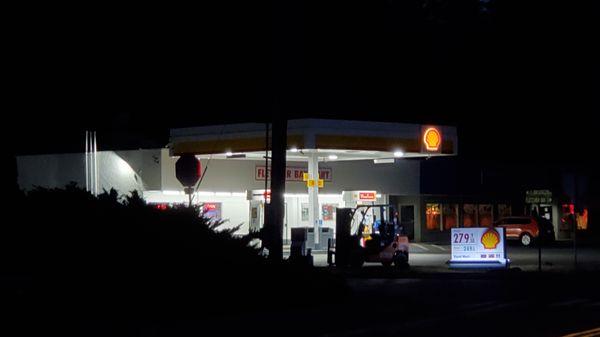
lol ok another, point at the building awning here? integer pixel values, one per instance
(346, 140)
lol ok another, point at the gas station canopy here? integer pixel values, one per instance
(333, 139)
(315, 141)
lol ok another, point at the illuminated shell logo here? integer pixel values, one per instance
(432, 139)
(490, 239)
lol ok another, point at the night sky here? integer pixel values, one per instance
(521, 81)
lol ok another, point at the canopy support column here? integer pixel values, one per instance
(313, 195)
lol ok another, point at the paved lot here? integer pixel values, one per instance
(522, 304)
(559, 257)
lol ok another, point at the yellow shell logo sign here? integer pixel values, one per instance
(490, 239)
(432, 139)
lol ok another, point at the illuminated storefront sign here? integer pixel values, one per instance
(480, 247)
(538, 197)
(293, 173)
(353, 198)
(367, 196)
(432, 139)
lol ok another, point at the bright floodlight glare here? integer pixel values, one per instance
(229, 153)
(294, 149)
(398, 154)
(333, 157)
(123, 166)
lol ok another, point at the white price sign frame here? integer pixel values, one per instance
(478, 247)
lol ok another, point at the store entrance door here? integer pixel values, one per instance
(546, 212)
(407, 220)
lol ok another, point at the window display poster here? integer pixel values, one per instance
(212, 210)
(432, 220)
(328, 211)
(304, 212)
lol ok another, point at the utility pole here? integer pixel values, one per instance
(286, 72)
(274, 224)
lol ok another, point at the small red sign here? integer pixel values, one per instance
(367, 196)
(210, 206)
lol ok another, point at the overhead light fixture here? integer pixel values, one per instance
(229, 153)
(384, 161)
(332, 157)
(398, 154)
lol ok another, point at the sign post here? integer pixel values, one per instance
(478, 247)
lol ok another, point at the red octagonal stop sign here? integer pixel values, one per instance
(188, 170)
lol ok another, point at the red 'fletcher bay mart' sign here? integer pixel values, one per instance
(293, 173)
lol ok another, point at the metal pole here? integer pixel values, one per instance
(266, 165)
(539, 250)
(313, 195)
(92, 165)
(87, 189)
(277, 204)
(266, 239)
(95, 165)
(575, 220)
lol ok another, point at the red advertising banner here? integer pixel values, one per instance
(293, 173)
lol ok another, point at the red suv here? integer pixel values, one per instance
(526, 229)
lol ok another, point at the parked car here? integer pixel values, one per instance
(526, 229)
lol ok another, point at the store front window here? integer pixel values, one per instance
(485, 215)
(504, 210)
(570, 218)
(433, 216)
(582, 220)
(450, 216)
(469, 215)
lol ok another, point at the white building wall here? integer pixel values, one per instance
(51, 170)
(401, 178)
(124, 171)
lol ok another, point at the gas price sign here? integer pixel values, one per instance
(478, 247)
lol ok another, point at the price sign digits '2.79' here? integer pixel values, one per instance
(478, 247)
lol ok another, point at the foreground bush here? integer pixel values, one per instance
(117, 256)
